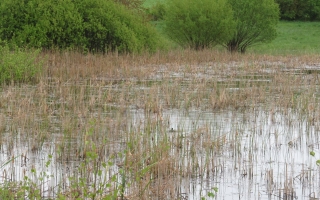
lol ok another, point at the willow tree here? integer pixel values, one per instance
(198, 24)
(256, 22)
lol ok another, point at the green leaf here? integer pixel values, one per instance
(210, 194)
(110, 163)
(312, 153)
(318, 162)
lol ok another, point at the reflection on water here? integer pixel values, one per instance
(265, 154)
(178, 135)
(262, 154)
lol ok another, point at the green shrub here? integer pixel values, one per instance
(198, 24)
(94, 25)
(17, 65)
(131, 4)
(111, 27)
(256, 22)
(40, 24)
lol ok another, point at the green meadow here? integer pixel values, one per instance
(294, 37)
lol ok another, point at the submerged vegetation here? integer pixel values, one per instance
(173, 125)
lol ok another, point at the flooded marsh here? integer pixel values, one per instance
(178, 125)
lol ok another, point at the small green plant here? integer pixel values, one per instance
(312, 153)
(211, 194)
(92, 180)
(31, 187)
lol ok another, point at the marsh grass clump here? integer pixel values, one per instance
(19, 65)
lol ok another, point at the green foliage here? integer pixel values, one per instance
(198, 24)
(40, 24)
(17, 65)
(299, 9)
(111, 27)
(157, 11)
(256, 22)
(312, 153)
(97, 25)
(28, 188)
(131, 4)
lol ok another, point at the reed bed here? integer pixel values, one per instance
(174, 125)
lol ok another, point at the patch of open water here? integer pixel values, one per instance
(263, 155)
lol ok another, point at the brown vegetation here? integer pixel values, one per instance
(96, 109)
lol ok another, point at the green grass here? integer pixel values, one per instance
(293, 38)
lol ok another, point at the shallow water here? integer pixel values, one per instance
(258, 151)
(264, 155)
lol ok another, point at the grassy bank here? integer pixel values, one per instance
(293, 38)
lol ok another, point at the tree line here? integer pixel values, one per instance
(306, 10)
(88, 25)
(123, 25)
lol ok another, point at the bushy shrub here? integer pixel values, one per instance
(17, 65)
(256, 22)
(40, 24)
(131, 4)
(94, 25)
(110, 27)
(199, 24)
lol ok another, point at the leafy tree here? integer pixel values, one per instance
(256, 22)
(198, 24)
(299, 9)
